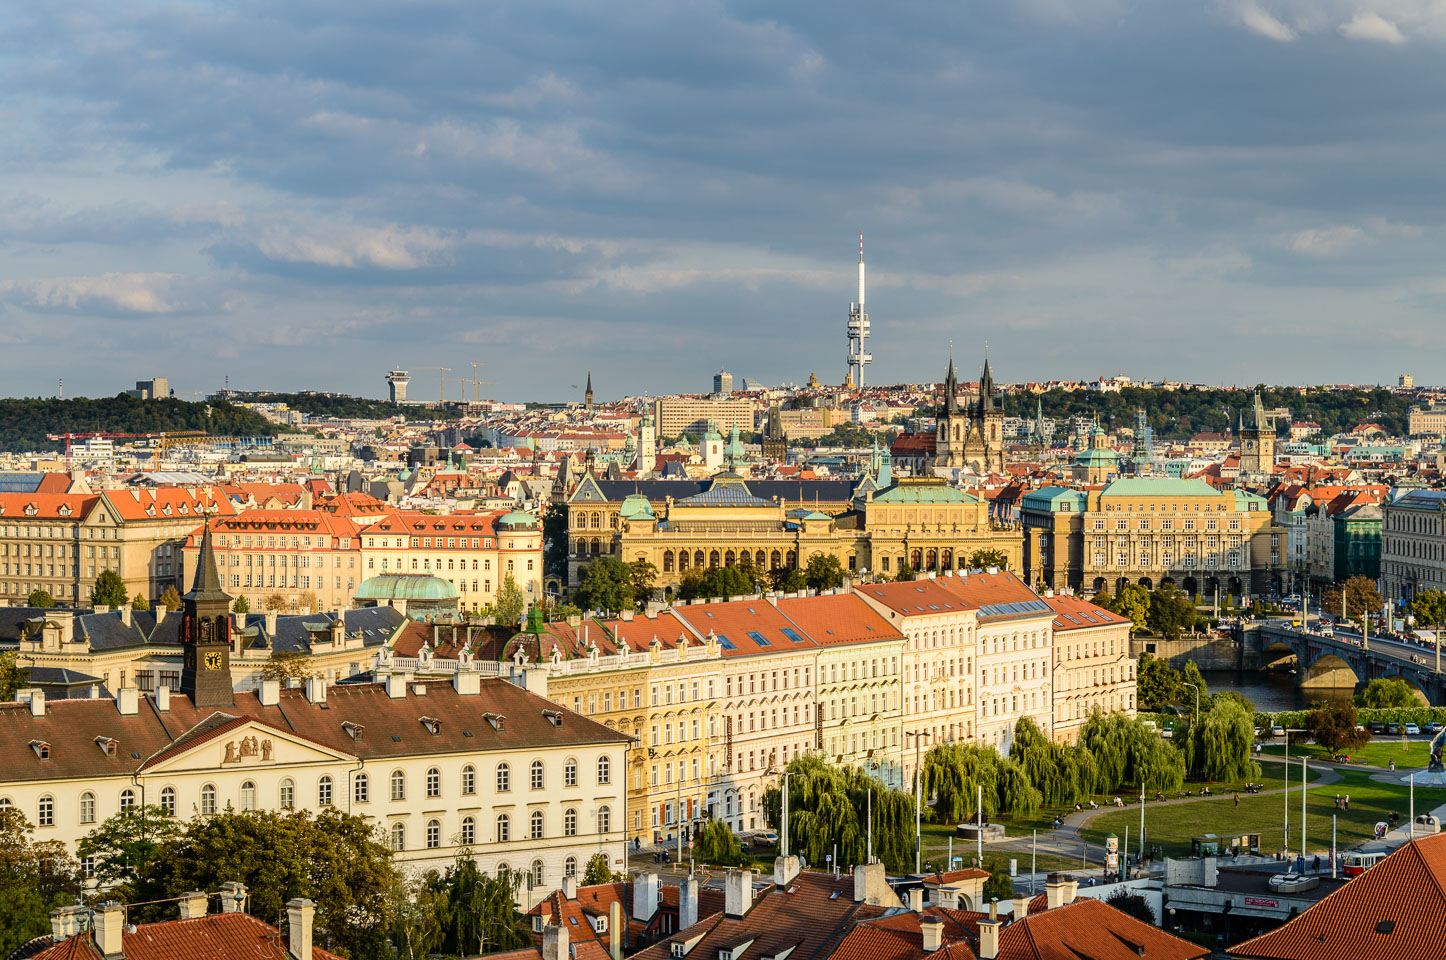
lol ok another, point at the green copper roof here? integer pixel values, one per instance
(923, 493)
(636, 507)
(1051, 498)
(1097, 456)
(1159, 487)
(517, 518)
(405, 586)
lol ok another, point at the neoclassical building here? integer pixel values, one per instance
(921, 523)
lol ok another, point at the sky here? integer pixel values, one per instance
(306, 195)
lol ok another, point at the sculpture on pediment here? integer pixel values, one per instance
(266, 750)
(231, 753)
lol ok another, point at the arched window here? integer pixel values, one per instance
(667, 561)
(127, 799)
(434, 834)
(5, 803)
(45, 812)
(87, 807)
(537, 774)
(248, 795)
(569, 823)
(434, 782)
(604, 770)
(569, 867)
(208, 800)
(469, 780)
(287, 795)
(399, 837)
(537, 824)
(469, 831)
(168, 800)
(604, 820)
(504, 778)
(399, 785)
(323, 792)
(535, 874)
(361, 792)
(504, 828)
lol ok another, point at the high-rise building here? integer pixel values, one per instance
(1406, 380)
(157, 388)
(858, 356)
(397, 382)
(723, 383)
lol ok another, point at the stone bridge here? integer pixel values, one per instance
(1326, 662)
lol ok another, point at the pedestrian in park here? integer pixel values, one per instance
(1237, 799)
(1347, 802)
(1338, 801)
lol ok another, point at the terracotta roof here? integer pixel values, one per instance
(737, 622)
(220, 936)
(1093, 929)
(836, 619)
(157, 503)
(1396, 909)
(1074, 613)
(990, 592)
(46, 506)
(919, 598)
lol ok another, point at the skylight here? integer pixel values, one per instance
(758, 638)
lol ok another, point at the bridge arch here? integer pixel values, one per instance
(1411, 680)
(1328, 669)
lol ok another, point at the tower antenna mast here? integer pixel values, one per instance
(858, 330)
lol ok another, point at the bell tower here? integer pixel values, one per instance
(206, 634)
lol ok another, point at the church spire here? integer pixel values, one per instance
(587, 394)
(207, 585)
(986, 388)
(951, 385)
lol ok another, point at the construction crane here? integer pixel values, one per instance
(475, 382)
(442, 376)
(95, 435)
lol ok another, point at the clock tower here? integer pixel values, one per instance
(206, 634)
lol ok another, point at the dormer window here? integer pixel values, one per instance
(107, 745)
(64, 510)
(30, 510)
(600, 924)
(496, 719)
(433, 725)
(353, 730)
(554, 717)
(41, 748)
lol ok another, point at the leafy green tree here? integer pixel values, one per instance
(1218, 747)
(139, 602)
(786, 579)
(554, 541)
(1333, 725)
(511, 604)
(460, 912)
(1171, 612)
(823, 572)
(36, 877)
(1156, 682)
(999, 886)
(905, 574)
(715, 844)
(125, 842)
(171, 599)
(985, 557)
(239, 605)
(607, 585)
(12, 677)
(1134, 603)
(1104, 600)
(110, 590)
(1429, 608)
(1191, 677)
(40, 599)
(334, 858)
(598, 870)
(953, 773)
(1130, 754)
(1361, 598)
(1384, 693)
(827, 806)
(287, 665)
(643, 574)
(1128, 902)
(724, 582)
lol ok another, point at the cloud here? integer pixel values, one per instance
(384, 248)
(109, 293)
(1372, 26)
(1324, 241)
(1261, 23)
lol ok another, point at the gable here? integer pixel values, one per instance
(223, 742)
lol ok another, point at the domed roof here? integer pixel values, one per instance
(405, 586)
(635, 507)
(517, 518)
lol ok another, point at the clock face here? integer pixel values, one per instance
(213, 661)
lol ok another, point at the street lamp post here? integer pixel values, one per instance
(1288, 732)
(783, 840)
(918, 796)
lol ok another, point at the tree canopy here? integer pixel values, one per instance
(986, 557)
(1217, 748)
(459, 912)
(1360, 594)
(607, 585)
(110, 590)
(122, 844)
(511, 604)
(1429, 608)
(1388, 692)
(1333, 725)
(715, 844)
(823, 572)
(24, 422)
(828, 806)
(12, 677)
(36, 877)
(171, 599)
(40, 599)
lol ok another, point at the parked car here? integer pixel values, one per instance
(1393, 729)
(1434, 727)
(1412, 730)
(1378, 728)
(1277, 731)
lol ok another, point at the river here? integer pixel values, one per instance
(1270, 692)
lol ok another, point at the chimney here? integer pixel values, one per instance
(687, 903)
(233, 897)
(989, 939)
(916, 899)
(615, 930)
(466, 683)
(1021, 908)
(397, 686)
(193, 904)
(110, 918)
(270, 693)
(125, 614)
(737, 893)
(316, 689)
(299, 915)
(127, 701)
(271, 623)
(871, 885)
(645, 896)
(784, 870)
(932, 929)
(1058, 890)
(554, 942)
(569, 888)
(163, 699)
(37, 703)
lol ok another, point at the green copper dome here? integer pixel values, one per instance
(405, 586)
(517, 519)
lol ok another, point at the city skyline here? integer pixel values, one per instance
(1236, 193)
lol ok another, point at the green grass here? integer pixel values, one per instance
(1377, 753)
(1172, 828)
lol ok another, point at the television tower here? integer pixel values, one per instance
(858, 357)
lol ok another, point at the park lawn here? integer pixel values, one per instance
(1377, 753)
(1172, 827)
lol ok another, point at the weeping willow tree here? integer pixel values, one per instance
(828, 813)
(1217, 749)
(1062, 774)
(952, 774)
(1127, 753)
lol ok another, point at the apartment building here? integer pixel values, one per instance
(306, 557)
(676, 416)
(1093, 669)
(1413, 544)
(473, 552)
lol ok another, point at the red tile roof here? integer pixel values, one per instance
(1396, 909)
(837, 619)
(220, 936)
(1093, 929)
(1074, 613)
(735, 620)
(981, 589)
(919, 598)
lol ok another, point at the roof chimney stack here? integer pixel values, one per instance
(110, 920)
(299, 916)
(932, 929)
(193, 904)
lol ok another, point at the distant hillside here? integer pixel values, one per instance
(24, 422)
(335, 405)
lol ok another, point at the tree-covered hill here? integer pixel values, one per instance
(24, 421)
(340, 405)
(1179, 414)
